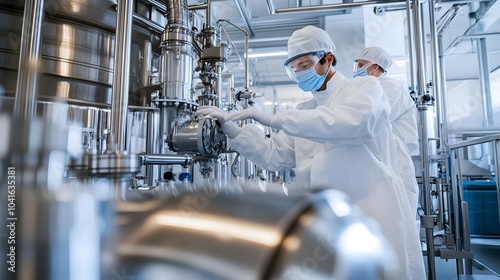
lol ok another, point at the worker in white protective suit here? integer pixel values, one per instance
(375, 61)
(340, 139)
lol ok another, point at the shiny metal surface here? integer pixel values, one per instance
(213, 235)
(203, 136)
(152, 159)
(56, 223)
(119, 101)
(29, 62)
(176, 72)
(77, 50)
(177, 55)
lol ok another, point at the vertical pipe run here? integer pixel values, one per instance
(442, 102)
(29, 60)
(466, 230)
(496, 154)
(121, 73)
(459, 192)
(247, 81)
(153, 146)
(426, 188)
(209, 14)
(436, 71)
(411, 44)
(218, 84)
(424, 149)
(423, 49)
(229, 90)
(441, 96)
(456, 211)
(437, 62)
(484, 79)
(146, 63)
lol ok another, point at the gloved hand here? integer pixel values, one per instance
(229, 127)
(253, 113)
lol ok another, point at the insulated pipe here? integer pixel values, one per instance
(121, 73)
(484, 78)
(29, 61)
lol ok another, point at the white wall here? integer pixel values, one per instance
(465, 103)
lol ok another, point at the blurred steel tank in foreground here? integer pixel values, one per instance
(251, 235)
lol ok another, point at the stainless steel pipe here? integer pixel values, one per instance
(484, 79)
(155, 159)
(421, 85)
(121, 71)
(29, 60)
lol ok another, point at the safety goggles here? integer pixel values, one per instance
(360, 64)
(300, 63)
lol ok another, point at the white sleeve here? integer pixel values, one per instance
(353, 120)
(275, 153)
(404, 114)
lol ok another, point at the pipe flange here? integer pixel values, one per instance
(211, 138)
(177, 103)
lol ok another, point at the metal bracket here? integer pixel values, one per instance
(452, 254)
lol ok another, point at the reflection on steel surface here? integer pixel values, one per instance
(252, 235)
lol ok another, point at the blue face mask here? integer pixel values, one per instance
(361, 72)
(309, 80)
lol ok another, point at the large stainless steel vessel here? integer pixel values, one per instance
(251, 235)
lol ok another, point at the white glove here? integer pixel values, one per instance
(230, 128)
(253, 113)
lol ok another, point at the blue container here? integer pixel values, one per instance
(483, 207)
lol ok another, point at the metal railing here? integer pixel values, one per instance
(462, 235)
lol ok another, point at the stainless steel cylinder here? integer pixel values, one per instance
(177, 55)
(77, 51)
(176, 72)
(203, 136)
(212, 235)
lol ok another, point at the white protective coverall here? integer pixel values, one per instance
(342, 139)
(404, 128)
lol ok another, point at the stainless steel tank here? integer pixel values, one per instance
(77, 50)
(251, 235)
